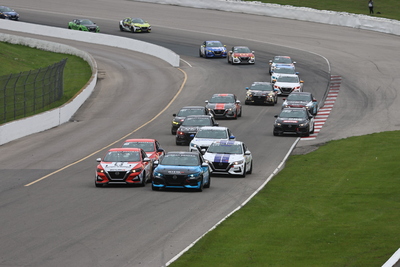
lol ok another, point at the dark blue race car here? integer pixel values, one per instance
(8, 13)
(181, 170)
(212, 49)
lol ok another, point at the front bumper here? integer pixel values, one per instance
(176, 181)
(223, 113)
(243, 60)
(227, 168)
(290, 129)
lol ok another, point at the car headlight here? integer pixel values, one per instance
(193, 145)
(194, 175)
(135, 170)
(238, 162)
(303, 124)
(278, 124)
(157, 174)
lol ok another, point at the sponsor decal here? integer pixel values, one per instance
(175, 172)
(290, 121)
(220, 106)
(222, 158)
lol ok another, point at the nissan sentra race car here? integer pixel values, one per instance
(181, 170)
(224, 106)
(124, 166)
(207, 135)
(301, 100)
(241, 55)
(261, 93)
(212, 49)
(229, 157)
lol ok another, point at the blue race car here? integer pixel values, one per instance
(181, 170)
(212, 49)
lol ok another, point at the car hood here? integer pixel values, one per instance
(220, 105)
(189, 128)
(177, 170)
(118, 166)
(223, 158)
(141, 24)
(283, 84)
(204, 141)
(243, 54)
(221, 48)
(261, 93)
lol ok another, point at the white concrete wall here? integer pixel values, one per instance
(290, 12)
(44, 121)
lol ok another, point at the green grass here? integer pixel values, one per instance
(387, 8)
(336, 206)
(18, 58)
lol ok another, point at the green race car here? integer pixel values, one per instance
(134, 25)
(85, 25)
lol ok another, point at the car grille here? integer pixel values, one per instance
(92, 29)
(244, 59)
(218, 53)
(289, 127)
(220, 166)
(219, 112)
(117, 176)
(145, 28)
(13, 17)
(286, 90)
(175, 179)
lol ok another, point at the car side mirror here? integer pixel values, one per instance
(206, 101)
(247, 152)
(276, 116)
(247, 88)
(301, 81)
(156, 162)
(204, 164)
(216, 124)
(232, 137)
(146, 159)
(98, 159)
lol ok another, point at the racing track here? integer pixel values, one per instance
(64, 220)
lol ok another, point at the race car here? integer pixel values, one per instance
(85, 25)
(287, 83)
(190, 126)
(183, 113)
(134, 25)
(8, 13)
(224, 106)
(207, 135)
(212, 49)
(297, 121)
(129, 166)
(152, 147)
(281, 69)
(280, 60)
(181, 170)
(301, 100)
(229, 157)
(261, 93)
(241, 55)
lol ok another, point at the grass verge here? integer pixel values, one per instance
(19, 58)
(336, 206)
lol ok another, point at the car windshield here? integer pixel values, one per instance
(299, 97)
(225, 148)
(122, 156)
(289, 113)
(146, 146)
(196, 122)
(288, 79)
(282, 60)
(212, 134)
(138, 21)
(241, 50)
(285, 70)
(184, 112)
(222, 99)
(6, 9)
(86, 22)
(180, 160)
(214, 44)
(262, 87)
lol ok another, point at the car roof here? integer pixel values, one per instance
(289, 75)
(182, 153)
(125, 149)
(228, 142)
(193, 107)
(199, 116)
(140, 140)
(255, 83)
(214, 128)
(300, 93)
(223, 94)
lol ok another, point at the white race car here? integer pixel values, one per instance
(229, 157)
(285, 84)
(280, 60)
(207, 135)
(281, 69)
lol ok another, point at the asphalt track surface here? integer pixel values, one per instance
(63, 220)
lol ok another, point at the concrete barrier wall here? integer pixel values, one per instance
(290, 12)
(44, 121)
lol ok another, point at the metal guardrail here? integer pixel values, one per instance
(28, 93)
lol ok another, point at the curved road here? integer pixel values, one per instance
(64, 220)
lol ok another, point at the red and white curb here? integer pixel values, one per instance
(323, 112)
